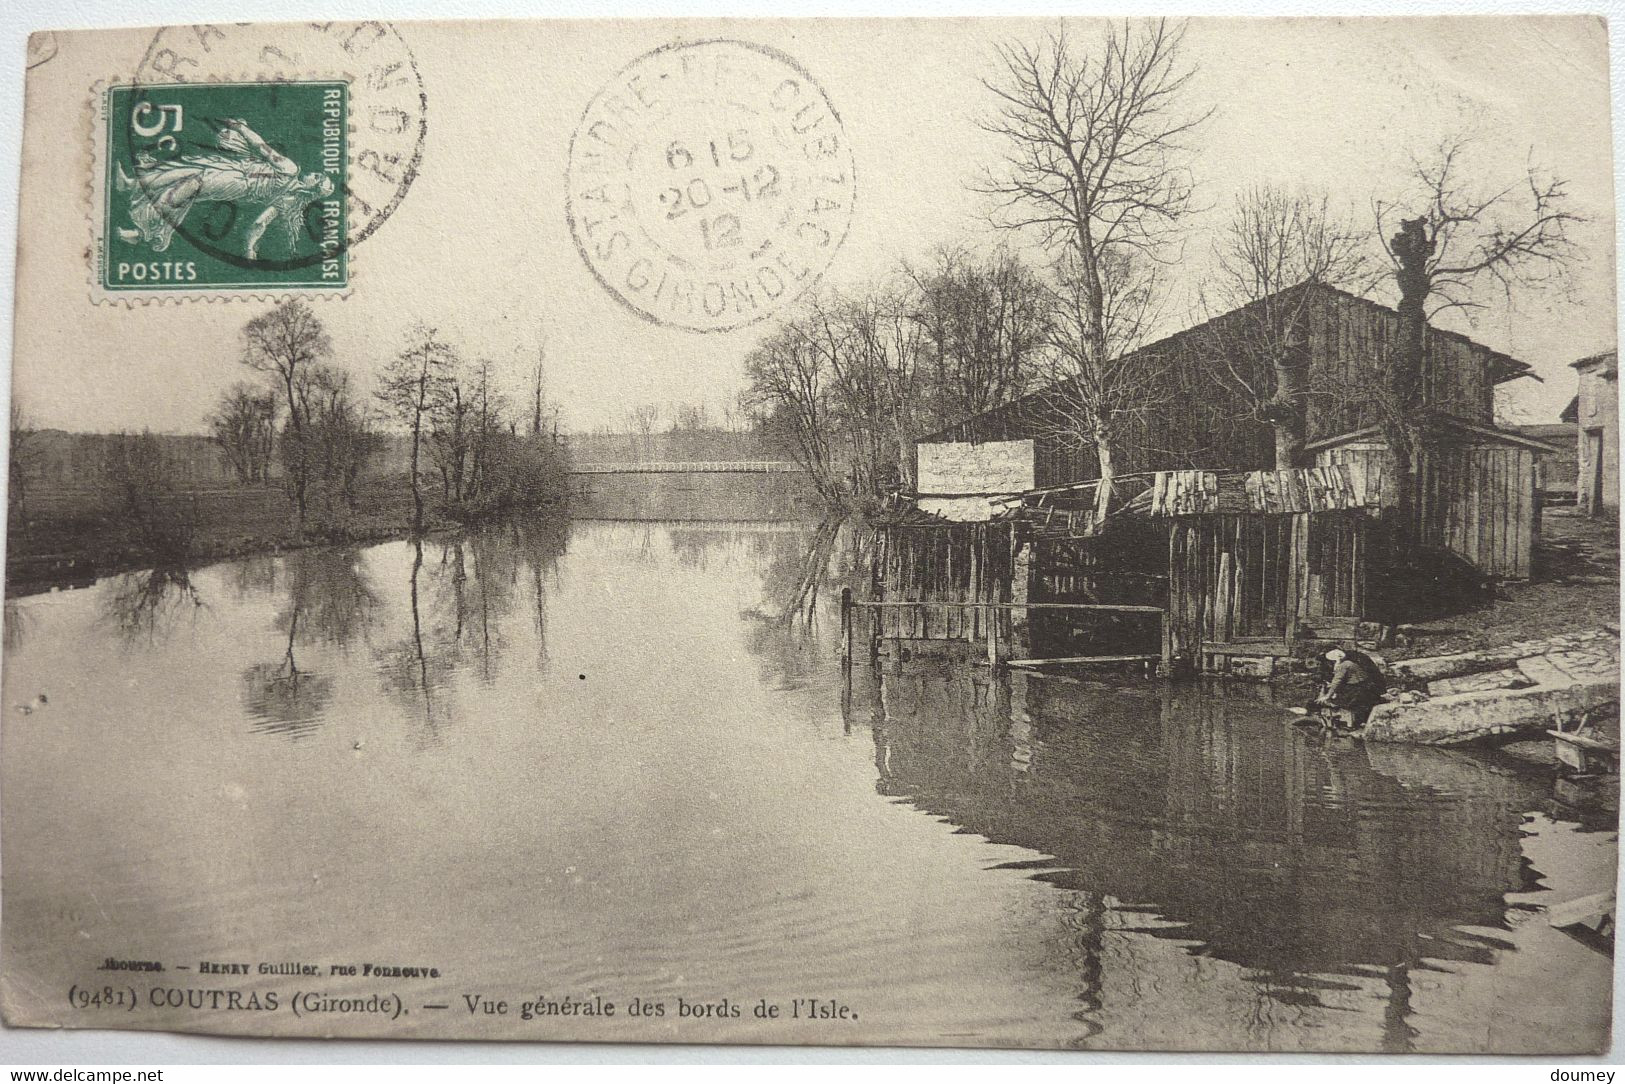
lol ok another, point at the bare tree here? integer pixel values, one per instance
(410, 388)
(489, 408)
(1098, 388)
(690, 417)
(451, 433)
(984, 322)
(1275, 246)
(341, 434)
(285, 344)
(870, 346)
(1094, 164)
(244, 426)
(642, 420)
(1463, 236)
(538, 386)
(788, 391)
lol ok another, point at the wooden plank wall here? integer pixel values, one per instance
(1478, 501)
(1250, 577)
(1350, 336)
(940, 565)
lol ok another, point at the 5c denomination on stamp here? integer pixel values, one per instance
(710, 184)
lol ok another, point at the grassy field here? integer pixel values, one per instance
(70, 536)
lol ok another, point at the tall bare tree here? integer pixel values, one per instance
(1275, 246)
(1463, 235)
(984, 324)
(1095, 166)
(410, 389)
(788, 390)
(286, 343)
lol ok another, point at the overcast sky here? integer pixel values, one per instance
(480, 245)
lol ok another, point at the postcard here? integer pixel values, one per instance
(975, 532)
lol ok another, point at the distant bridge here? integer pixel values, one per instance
(692, 490)
(703, 466)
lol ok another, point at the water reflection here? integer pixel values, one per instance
(326, 598)
(147, 605)
(411, 673)
(458, 592)
(709, 809)
(1198, 818)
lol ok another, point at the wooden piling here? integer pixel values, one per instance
(846, 626)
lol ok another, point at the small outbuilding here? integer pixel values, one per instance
(1476, 489)
(1596, 414)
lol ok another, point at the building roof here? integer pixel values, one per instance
(1504, 366)
(1571, 413)
(1608, 358)
(1555, 433)
(1455, 426)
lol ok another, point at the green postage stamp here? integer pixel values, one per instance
(224, 187)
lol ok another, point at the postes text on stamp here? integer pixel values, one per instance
(212, 186)
(710, 184)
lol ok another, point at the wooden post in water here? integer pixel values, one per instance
(846, 626)
(993, 639)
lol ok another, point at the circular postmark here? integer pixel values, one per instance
(709, 184)
(384, 121)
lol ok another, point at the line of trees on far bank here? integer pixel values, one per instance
(306, 427)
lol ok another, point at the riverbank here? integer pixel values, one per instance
(1575, 585)
(69, 538)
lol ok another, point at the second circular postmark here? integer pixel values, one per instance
(710, 184)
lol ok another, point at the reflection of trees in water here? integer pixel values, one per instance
(16, 622)
(833, 555)
(411, 672)
(257, 575)
(1287, 854)
(147, 604)
(284, 700)
(537, 541)
(329, 599)
(802, 574)
(461, 593)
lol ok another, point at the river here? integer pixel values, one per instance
(590, 761)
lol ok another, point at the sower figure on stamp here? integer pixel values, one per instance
(244, 169)
(1356, 685)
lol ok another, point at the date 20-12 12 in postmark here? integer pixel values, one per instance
(710, 184)
(221, 186)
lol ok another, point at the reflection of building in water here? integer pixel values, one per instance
(1201, 819)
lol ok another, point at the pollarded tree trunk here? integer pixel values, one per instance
(1403, 408)
(1108, 470)
(1286, 414)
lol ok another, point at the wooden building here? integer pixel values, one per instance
(1237, 560)
(1200, 421)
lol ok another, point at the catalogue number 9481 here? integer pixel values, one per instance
(102, 997)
